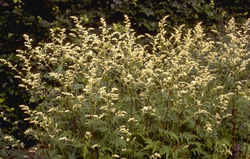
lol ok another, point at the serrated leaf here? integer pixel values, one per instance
(166, 150)
(223, 142)
(66, 133)
(172, 135)
(118, 142)
(79, 145)
(200, 151)
(155, 145)
(189, 136)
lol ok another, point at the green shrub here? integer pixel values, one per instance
(108, 96)
(18, 17)
(10, 147)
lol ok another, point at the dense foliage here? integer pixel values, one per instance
(18, 17)
(109, 96)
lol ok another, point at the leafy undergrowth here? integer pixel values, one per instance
(109, 96)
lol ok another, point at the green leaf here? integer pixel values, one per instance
(66, 133)
(172, 135)
(189, 136)
(2, 100)
(166, 150)
(85, 151)
(155, 145)
(118, 142)
(223, 142)
(79, 145)
(200, 151)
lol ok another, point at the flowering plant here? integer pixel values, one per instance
(109, 96)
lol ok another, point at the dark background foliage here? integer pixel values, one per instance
(35, 18)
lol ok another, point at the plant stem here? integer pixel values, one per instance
(74, 120)
(131, 112)
(245, 155)
(132, 123)
(234, 117)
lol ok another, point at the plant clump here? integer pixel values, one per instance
(109, 96)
